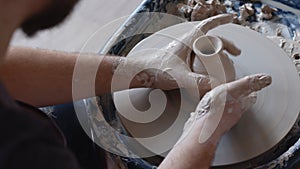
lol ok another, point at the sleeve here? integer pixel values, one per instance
(40, 155)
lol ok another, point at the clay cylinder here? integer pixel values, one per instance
(211, 60)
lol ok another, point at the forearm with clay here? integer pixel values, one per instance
(43, 77)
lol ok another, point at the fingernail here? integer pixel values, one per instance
(265, 80)
(260, 81)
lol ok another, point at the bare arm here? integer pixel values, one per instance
(190, 154)
(42, 77)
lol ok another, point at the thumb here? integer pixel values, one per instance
(202, 82)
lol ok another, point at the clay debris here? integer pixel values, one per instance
(198, 10)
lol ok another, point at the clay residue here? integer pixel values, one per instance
(291, 47)
(246, 11)
(197, 10)
(297, 36)
(269, 28)
(267, 12)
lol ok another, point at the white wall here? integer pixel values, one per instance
(88, 16)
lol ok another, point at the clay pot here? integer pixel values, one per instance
(211, 60)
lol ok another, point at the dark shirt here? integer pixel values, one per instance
(30, 139)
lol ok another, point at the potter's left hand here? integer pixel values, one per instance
(158, 69)
(166, 68)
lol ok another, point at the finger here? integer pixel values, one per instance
(245, 86)
(230, 47)
(213, 22)
(203, 82)
(196, 85)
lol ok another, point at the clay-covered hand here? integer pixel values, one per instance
(221, 108)
(217, 63)
(166, 68)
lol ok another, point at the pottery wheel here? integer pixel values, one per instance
(265, 124)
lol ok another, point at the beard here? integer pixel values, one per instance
(54, 14)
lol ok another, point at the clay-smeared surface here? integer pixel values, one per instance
(265, 120)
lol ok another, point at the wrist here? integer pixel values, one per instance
(132, 71)
(213, 138)
(145, 78)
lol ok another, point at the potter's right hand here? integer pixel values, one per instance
(212, 118)
(221, 108)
